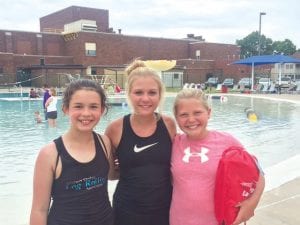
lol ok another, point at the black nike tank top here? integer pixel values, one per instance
(144, 185)
(80, 193)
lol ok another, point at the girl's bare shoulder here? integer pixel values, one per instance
(114, 126)
(47, 155)
(48, 150)
(171, 126)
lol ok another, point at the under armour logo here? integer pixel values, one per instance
(201, 154)
(249, 188)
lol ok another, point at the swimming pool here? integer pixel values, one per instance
(113, 100)
(274, 139)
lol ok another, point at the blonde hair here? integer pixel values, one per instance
(138, 69)
(188, 94)
(53, 91)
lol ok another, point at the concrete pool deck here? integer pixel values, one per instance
(279, 206)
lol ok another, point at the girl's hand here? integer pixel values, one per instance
(248, 206)
(245, 213)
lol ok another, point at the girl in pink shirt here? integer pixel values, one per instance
(195, 157)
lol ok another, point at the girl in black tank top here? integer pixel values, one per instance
(81, 183)
(144, 186)
(74, 169)
(142, 142)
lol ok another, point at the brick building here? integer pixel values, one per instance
(78, 42)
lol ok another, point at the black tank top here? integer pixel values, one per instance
(144, 185)
(80, 193)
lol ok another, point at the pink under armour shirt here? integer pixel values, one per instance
(194, 165)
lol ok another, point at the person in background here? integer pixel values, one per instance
(195, 157)
(142, 143)
(37, 117)
(118, 89)
(32, 93)
(40, 92)
(110, 86)
(45, 98)
(51, 106)
(110, 89)
(74, 168)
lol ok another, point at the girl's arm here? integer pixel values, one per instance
(248, 206)
(113, 173)
(48, 101)
(171, 126)
(114, 133)
(42, 183)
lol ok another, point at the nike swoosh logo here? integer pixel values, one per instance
(139, 149)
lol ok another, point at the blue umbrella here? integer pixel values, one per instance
(266, 59)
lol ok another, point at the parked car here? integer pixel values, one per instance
(246, 82)
(212, 82)
(265, 81)
(228, 82)
(284, 82)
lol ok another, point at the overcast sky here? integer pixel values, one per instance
(220, 21)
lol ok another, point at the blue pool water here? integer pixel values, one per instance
(17, 94)
(274, 139)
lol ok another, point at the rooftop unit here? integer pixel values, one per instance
(80, 25)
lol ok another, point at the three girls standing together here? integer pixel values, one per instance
(75, 168)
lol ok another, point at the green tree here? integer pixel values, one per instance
(285, 47)
(249, 45)
(266, 45)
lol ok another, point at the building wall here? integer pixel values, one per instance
(116, 49)
(28, 48)
(6, 41)
(215, 51)
(53, 45)
(224, 55)
(56, 21)
(2, 41)
(30, 43)
(197, 71)
(21, 49)
(7, 65)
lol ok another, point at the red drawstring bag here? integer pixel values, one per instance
(236, 180)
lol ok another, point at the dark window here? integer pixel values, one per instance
(90, 52)
(93, 71)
